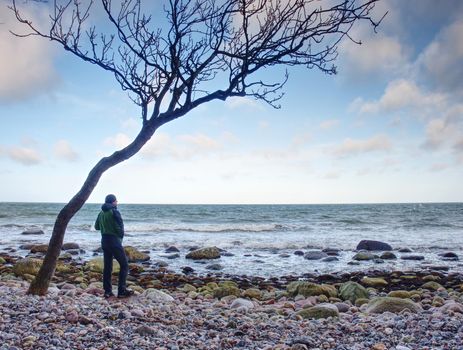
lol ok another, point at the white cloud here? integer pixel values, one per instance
(24, 155)
(351, 147)
(442, 60)
(118, 141)
(242, 102)
(64, 150)
(378, 53)
(26, 63)
(329, 124)
(180, 147)
(437, 167)
(399, 95)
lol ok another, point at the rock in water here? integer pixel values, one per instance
(390, 304)
(33, 232)
(315, 255)
(364, 256)
(204, 253)
(134, 255)
(39, 248)
(70, 246)
(373, 245)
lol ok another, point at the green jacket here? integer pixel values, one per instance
(109, 221)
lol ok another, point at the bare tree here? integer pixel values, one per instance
(208, 50)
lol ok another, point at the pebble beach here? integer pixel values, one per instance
(373, 309)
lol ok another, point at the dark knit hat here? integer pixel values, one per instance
(110, 198)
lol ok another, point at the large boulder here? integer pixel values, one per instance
(352, 291)
(204, 253)
(97, 265)
(134, 255)
(324, 310)
(27, 266)
(373, 245)
(308, 289)
(391, 304)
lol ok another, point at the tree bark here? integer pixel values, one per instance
(40, 284)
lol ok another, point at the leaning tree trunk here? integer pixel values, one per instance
(39, 285)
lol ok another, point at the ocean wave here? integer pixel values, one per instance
(210, 228)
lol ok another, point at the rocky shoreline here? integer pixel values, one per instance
(373, 309)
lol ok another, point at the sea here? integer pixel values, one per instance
(260, 239)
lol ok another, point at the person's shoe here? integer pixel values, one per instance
(108, 295)
(125, 294)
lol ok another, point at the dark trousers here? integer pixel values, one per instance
(112, 248)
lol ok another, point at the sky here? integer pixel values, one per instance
(387, 128)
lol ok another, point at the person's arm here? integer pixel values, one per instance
(119, 223)
(97, 223)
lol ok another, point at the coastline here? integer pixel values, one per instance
(219, 311)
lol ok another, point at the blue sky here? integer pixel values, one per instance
(387, 128)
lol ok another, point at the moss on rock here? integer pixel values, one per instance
(390, 304)
(319, 311)
(352, 291)
(27, 266)
(308, 289)
(134, 255)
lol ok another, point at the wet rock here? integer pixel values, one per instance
(26, 246)
(134, 255)
(226, 254)
(390, 304)
(373, 245)
(404, 250)
(330, 259)
(187, 270)
(352, 291)
(172, 249)
(171, 256)
(451, 256)
(39, 248)
(315, 255)
(361, 256)
(204, 253)
(215, 267)
(412, 257)
(70, 246)
(33, 232)
(388, 256)
(324, 310)
(299, 253)
(284, 255)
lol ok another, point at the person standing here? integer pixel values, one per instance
(109, 222)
